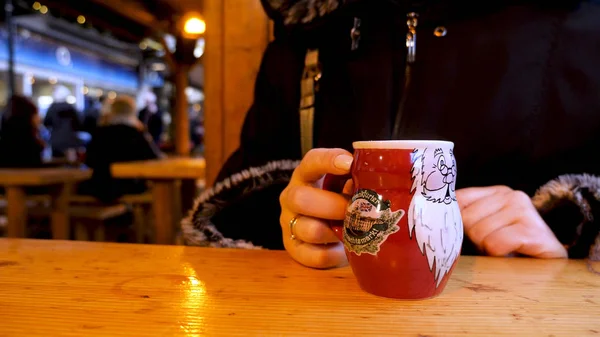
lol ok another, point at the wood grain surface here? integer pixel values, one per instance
(167, 168)
(42, 176)
(62, 288)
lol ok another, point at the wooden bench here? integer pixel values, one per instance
(141, 205)
(88, 215)
(145, 198)
(32, 201)
(89, 220)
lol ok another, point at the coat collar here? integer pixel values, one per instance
(293, 12)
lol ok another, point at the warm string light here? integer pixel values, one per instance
(194, 26)
(44, 9)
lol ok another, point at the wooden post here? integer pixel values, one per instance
(236, 36)
(59, 218)
(181, 116)
(16, 211)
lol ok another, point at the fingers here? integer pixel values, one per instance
(321, 254)
(318, 162)
(467, 196)
(348, 187)
(317, 256)
(482, 229)
(315, 245)
(309, 230)
(512, 239)
(501, 221)
(502, 242)
(486, 215)
(314, 202)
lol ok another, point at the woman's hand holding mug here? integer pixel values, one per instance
(397, 218)
(306, 210)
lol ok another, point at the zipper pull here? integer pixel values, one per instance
(411, 36)
(308, 89)
(355, 34)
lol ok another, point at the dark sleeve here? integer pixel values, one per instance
(155, 126)
(570, 205)
(89, 123)
(242, 208)
(48, 119)
(147, 148)
(29, 154)
(75, 121)
(91, 152)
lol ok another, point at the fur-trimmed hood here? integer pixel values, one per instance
(292, 12)
(570, 205)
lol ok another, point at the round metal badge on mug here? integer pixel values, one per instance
(403, 229)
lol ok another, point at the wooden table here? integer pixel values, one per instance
(55, 288)
(60, 181)
(164, 173)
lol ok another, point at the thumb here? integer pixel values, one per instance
(319, 162)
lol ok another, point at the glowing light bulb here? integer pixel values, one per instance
(194, 26)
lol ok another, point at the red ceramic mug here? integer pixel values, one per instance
(403, 230)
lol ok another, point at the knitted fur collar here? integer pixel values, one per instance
(300, 11)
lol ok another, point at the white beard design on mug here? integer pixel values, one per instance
(434, 215)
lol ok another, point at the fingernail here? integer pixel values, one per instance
(343, 162)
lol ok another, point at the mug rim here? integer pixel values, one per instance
(400, 144)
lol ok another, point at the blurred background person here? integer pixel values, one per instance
(21, 145)
(151, 116)
(92, 114)
(105, 111)
(121, 137)
(63, 123)
(197, 132)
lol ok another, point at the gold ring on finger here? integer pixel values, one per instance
(292, 225)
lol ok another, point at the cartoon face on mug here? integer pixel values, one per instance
(439, 176)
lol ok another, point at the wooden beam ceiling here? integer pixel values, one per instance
(158, 15)
(100, 17)
(183, 6)
(130, 9)
(136, 11)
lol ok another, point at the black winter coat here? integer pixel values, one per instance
(514, 84)
(116, 143)
(63, 122)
